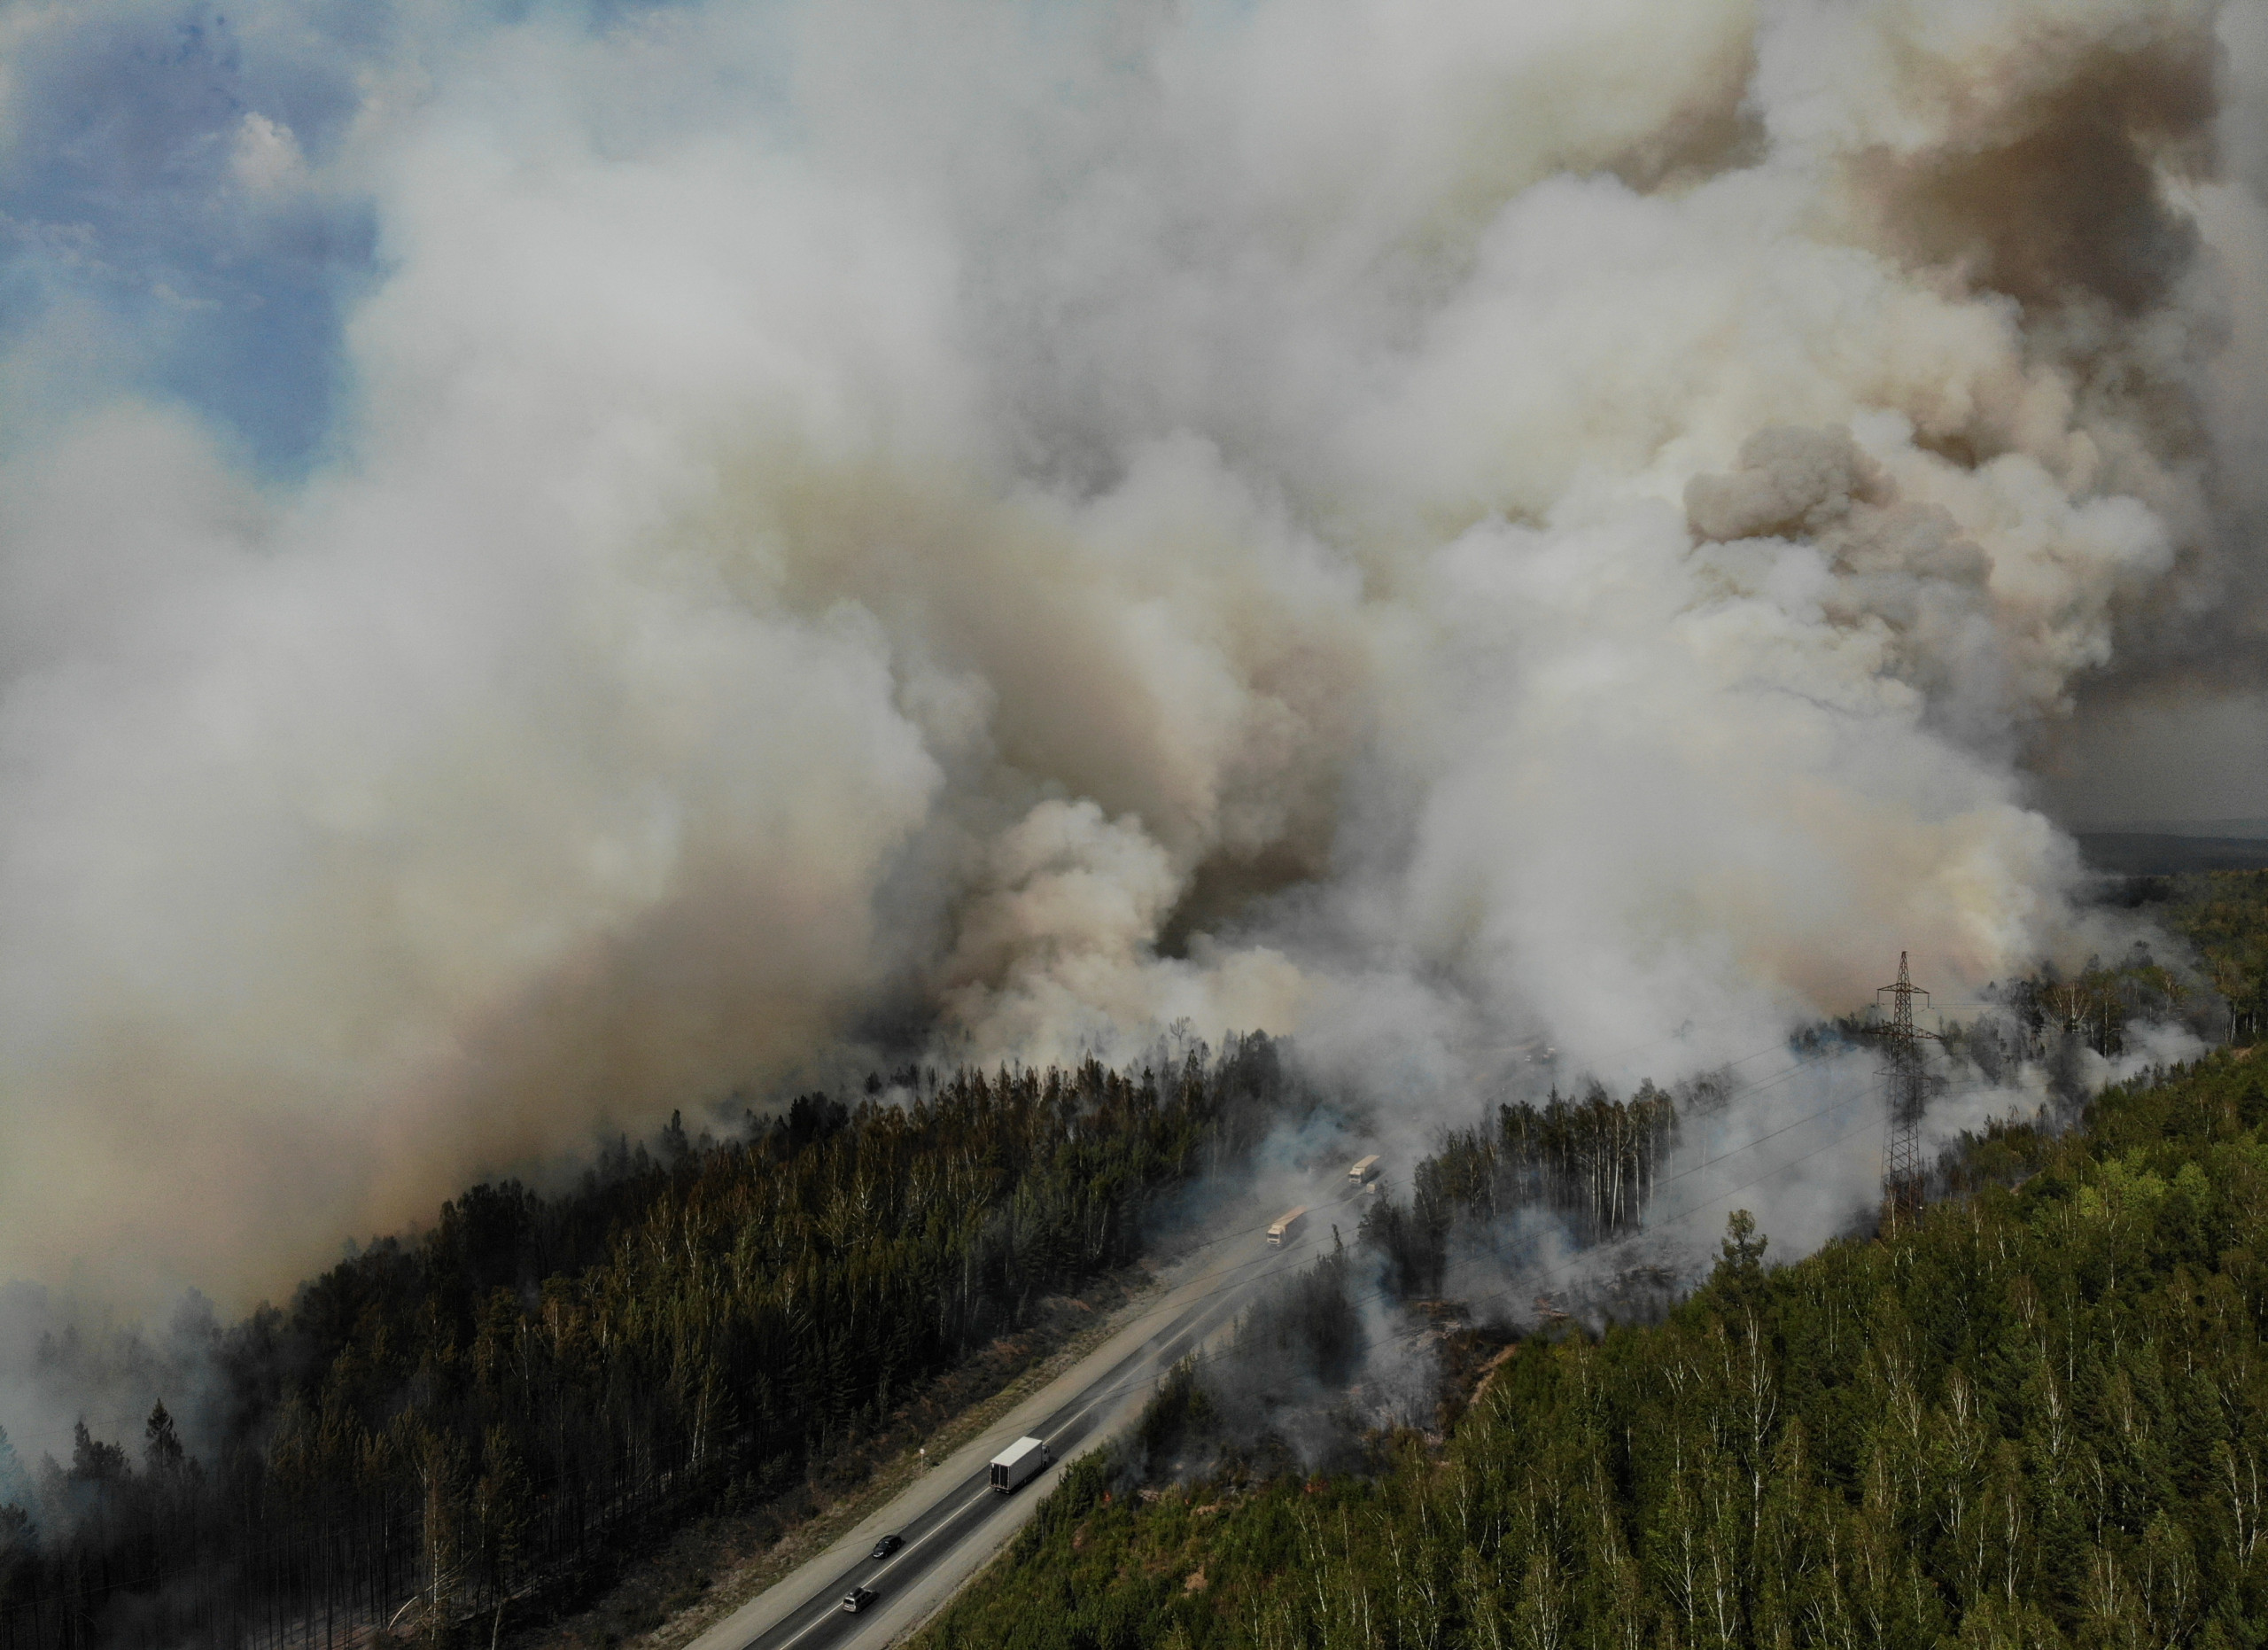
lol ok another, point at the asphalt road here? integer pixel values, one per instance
(952, 1520)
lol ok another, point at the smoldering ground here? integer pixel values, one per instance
(1578, 1213)
(1315, 1370)
(864, 526)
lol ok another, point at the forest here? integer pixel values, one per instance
(1298, 1381)
(2220, 990)
(489, 1414)
(1592, 1162)
(2031, 1419)
(2225, 915)
(2037, 1417)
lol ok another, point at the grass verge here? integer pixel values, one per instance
(669, 1597)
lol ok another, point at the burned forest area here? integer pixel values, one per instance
(468, 1434)
(487, 1420)
(1236, 706)
(490, 1419)
(2033, 1409)
(2032, 1412)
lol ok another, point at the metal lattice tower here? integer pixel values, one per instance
(1906, 1085)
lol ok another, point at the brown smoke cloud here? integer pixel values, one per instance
(1396, 528)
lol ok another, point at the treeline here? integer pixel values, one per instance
(2216, 983)
(484, 1417)
(2093, 1008)
(2225, 915)
(1591, 1162)
(1303, 1378)
(2036, 1417)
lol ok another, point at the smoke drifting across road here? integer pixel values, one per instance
(988, 531)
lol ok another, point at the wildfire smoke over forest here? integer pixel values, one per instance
(561, 563)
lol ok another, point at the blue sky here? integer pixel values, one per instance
(128, 219)
(181, 212)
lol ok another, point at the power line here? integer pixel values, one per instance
(1528, 1280)
(1905, 1088)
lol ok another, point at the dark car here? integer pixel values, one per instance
(857, 1599)
(887, 1545)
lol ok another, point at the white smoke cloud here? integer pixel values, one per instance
(1408, 530)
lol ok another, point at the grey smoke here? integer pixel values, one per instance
(875, 527)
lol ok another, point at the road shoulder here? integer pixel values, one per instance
(723, 1563)
(1133, 1327)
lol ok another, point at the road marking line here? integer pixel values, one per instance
(1083, 1405)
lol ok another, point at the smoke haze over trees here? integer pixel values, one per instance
(570, 565)
(2035, 1417)
(492, 1415)
(561, 562)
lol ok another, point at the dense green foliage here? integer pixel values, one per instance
(2038, 1416)
(485, 1412)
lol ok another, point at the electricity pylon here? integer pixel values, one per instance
(1906, 1085)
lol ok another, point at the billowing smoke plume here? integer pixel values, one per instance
(575, 560)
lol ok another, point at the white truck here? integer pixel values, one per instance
(1281, 1232)
(1365, 1169)
(1019, 1464)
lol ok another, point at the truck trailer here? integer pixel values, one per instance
(1365, 1169)
(1281, 1232)
(1019, 1464)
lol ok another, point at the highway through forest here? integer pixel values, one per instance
(952, 1520)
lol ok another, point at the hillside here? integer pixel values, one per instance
(2038, 1417)
(507, 1411)
(504, 1410)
